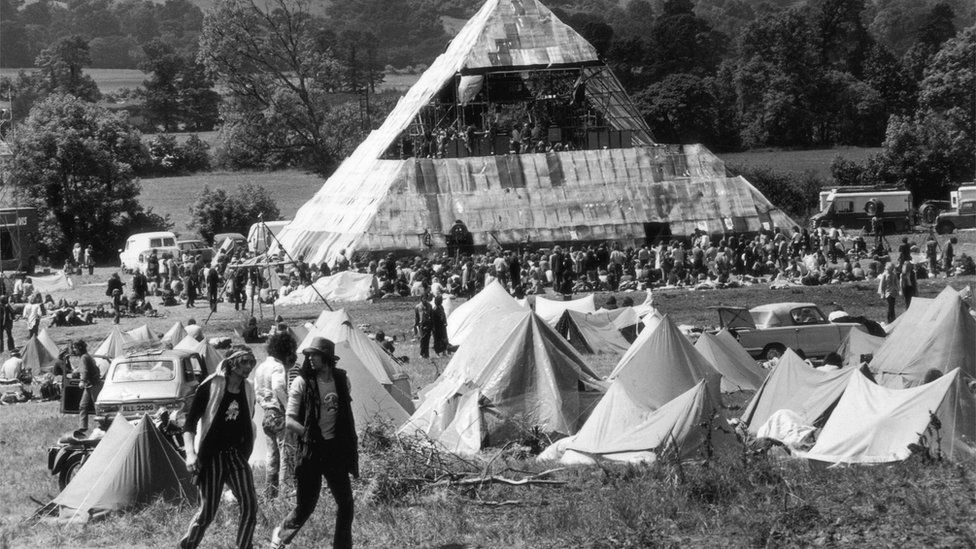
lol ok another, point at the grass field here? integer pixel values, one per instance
(730, 503)
(816, 162)
(174, 195)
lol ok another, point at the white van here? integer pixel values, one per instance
(164, 241)
(260, 239)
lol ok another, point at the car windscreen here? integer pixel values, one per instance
(143, 370)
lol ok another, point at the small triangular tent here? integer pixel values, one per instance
(175, 334)
(129, 467)
(48, 343)
(551, 310)
(338, 327)
(660, 365)
(371, 402)
(114, 344)
(142, 334)
(590, 334)
(940, 336)
(875, 424)
(36, 357)
(525, 375)
(203, 348)
(859, 346)
(343, 286)
(677, 430)
(471, 316)
(739, 371)
(795, 385)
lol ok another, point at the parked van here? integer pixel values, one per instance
(262, 235)
(964, 192)
(853, 208)
(163, 241)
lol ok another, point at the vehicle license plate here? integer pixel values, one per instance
(144, 407)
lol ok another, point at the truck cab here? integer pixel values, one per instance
(963, 217)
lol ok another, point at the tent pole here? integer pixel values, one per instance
(292, 259)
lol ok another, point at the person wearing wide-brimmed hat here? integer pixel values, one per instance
(319, 412)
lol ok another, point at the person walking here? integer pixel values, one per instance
(888, 289)
(271, 390)
(439, 326)
(909, 282)
(218, 437)
(91, 382)
(6, 323)
(423, 323)
(90, 259)
(33, 312)
(213, 287)
(320, 414)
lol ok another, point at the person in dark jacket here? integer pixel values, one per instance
(320, 414)
(423, 323)
(6, 323)
(218, 437)
(91, 382)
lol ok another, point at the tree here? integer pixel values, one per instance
(199, 104)
(62, 63)
(161, 94)
(215, 211)
(682, 42)
(74, 162)
(275, 74)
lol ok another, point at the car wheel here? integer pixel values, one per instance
(945, 227)
(773, 350)
(70, 469)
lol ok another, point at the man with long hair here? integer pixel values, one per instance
(218, 437)
(320, 414)
(271, 388)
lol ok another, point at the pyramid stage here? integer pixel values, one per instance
(520, 131)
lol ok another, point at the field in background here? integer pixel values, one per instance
(174, 195)
(816, 162)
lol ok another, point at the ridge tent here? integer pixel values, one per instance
(175, 334)
(625, 319)
(739, 371)
(937, 336)
(615, 182)
(114, 344)
(471, 316)
(875, 424)
(660, 365)
(590, 334)
(859, 346)
(919, 306)
(48, 343)
(676, 430)
(338, 327)
(36, 357)
(519, 374)
(371, 401)
(129, 467)
(550, 310)
(142, 334)
(795, 385)
(211, 356)
(344, 286)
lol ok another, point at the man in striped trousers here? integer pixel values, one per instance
(218, 437)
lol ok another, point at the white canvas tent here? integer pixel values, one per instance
(677, 430)
(590, 334)
(661, 364)
(796, 386)
(344, 286)
(519, 374)
(473, 315)
(739, 371)
(56, 282)
(938, 336)
(875, 424)
(338, 327)
(48, 342)
(175, 334)
(203, 348)
(857, 346)
(142, 334)
(551, 310)
(114, 344)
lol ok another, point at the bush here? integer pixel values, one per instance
(172, 158)
(798, 196)
(218, 212)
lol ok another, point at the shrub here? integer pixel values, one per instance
(172, 158)
(798, 196)
(218, 212)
